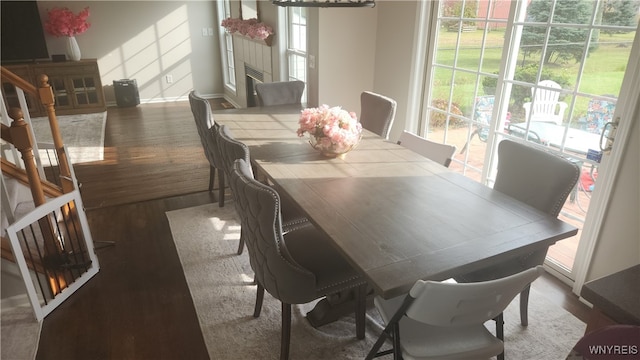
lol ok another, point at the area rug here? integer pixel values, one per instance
(206, 238)
(20, 333)
(82, 134)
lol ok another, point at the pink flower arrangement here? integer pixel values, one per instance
(251, 28)
(332, 130)
(63, 22)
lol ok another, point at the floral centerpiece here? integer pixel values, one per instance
(250, 28)
(63, 22)
(332, 130)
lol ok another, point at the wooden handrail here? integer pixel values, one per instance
(11, 170)
(8, 76)
(44, 94)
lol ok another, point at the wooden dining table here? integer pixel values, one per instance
(395, 215)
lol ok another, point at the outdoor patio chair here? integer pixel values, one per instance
(599, 112)
(545, 105)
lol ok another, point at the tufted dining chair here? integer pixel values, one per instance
(280, 93)
(377, 113)
(539, 179)
(295, 268)
(201, 110)
(232, 150)
(440, 153)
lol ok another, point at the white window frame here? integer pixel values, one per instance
(228, 67)
(295, 52)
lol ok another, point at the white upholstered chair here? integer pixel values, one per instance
(377, 113)
(440, 153)
(545, 105)
(445, 320)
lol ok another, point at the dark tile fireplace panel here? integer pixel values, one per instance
(253, 77)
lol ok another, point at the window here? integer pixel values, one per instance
(296, 52)
(546, 72)
(226, 47)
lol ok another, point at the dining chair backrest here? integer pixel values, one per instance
(258, 206)
(280, 93)
(536, 177)
(440, 153)
(454, 304)
(201, 110)
(377, 113)
(230, 149)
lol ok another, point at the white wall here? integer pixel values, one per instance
(394, 56)
(146, 41)
(618, 245)
(346, 55)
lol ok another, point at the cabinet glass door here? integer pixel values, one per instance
(60, 92)
(85, 91)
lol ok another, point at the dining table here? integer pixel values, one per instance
(395, 215)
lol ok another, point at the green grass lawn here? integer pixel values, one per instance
(603, 69)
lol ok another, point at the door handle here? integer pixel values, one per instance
(611, 127)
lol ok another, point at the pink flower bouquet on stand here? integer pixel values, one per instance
(250, 28)
(63, 22)
(332, 130)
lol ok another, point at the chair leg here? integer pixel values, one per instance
(524, 306)
(397, 351)
(500, 332)
(221, 189)
(259, 298)
(361, 307)
(286, 331)
(240, 243)
(212, 176)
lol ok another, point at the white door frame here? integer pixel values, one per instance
(627, 110)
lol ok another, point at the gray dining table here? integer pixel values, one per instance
(395, 215)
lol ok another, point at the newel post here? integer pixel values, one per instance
(23, 141)
(45, 93)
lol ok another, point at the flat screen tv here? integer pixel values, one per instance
(22, 32)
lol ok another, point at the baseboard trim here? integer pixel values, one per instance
(113, 103)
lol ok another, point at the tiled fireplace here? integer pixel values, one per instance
(253, 64)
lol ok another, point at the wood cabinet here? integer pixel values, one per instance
(76, 85)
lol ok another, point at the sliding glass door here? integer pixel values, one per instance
(544, 72)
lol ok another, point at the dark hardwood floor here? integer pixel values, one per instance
(139, 306)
